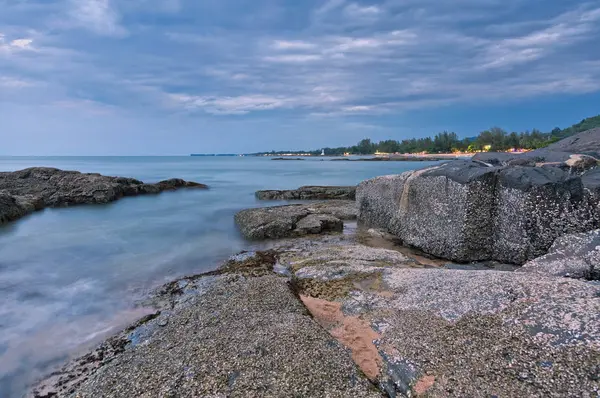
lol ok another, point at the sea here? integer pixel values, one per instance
(70, 277)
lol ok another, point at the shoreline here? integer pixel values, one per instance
(330, 309)
(307, 272)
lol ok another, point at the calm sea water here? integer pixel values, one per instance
(71, 276)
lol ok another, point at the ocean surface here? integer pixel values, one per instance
(70, 277)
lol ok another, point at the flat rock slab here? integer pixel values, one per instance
(453, 332)
(24, 191)
(310, 193)
(228, 336)
(295, 220)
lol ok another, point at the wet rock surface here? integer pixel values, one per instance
(574, 256)
(476, 211)
(25, 191)
(295, 220)
(310, 193)
(239, 331)
(378, 317)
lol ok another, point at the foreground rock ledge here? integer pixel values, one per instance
(237, 332)
(25, 191)
(412, 330)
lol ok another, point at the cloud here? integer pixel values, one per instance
(327, 6)
(293, 58)
(230, 105)
(97, 16)
(11, 82)
(21, 43)
(324, 59)
(355, 10)
(15, 44)
(293, 45)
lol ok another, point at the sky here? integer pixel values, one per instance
(172, 77)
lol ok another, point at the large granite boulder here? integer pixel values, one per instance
(309, 193)
(38, 187)
(295, 220)
(469, 211)
(573, 255)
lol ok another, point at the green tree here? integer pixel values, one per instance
(366, 147)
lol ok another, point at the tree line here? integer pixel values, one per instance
(494, 139)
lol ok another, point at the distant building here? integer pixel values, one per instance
(323, 152)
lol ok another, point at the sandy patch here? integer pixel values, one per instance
(423, 384)
(357, 335)
(353, 332)
(326, 313)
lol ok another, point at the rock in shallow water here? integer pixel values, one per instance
(10, 209)
(310, 193)
(24, 191)
(295, 220)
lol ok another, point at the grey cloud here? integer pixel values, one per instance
(389, 61)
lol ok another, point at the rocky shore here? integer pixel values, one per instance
(329, 316)
(25, 191)
(316, 312)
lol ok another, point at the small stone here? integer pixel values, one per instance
(163, 322)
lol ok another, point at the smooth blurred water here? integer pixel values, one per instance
(70, 276)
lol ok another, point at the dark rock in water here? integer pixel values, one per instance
(176, 183)
(10, 208)
(466, 211)
(288, 159)
(310, 193)
(294, 220)
(39, 187)
(574, 256)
